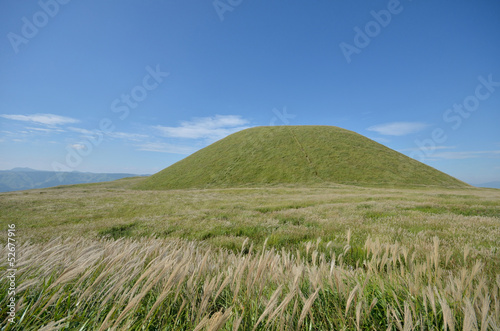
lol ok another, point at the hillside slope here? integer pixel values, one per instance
(296, 154)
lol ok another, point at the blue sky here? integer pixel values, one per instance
(134, 86)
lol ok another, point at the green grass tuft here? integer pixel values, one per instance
(118, 231)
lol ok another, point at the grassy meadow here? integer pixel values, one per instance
(333, 257)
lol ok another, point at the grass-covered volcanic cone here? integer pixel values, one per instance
(296, 155)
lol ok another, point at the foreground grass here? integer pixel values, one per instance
(184, 259)
(287, 216)
(157, 284)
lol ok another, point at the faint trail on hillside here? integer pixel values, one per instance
(304, 152)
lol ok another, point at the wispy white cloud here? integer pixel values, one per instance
(82, 131)
(215, 127)
(45, 130)
(466, 155)
(118, 135)
(30, 133)
(165, 148)
(128, 136)
(45, 119)
(77, 146)
(398, 128)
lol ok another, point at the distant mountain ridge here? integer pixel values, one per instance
(19, 179)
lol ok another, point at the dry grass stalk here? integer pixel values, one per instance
(351, 298)
(270, 305)
(181, 274)
(307, 306)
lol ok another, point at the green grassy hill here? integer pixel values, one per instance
(296, 155)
